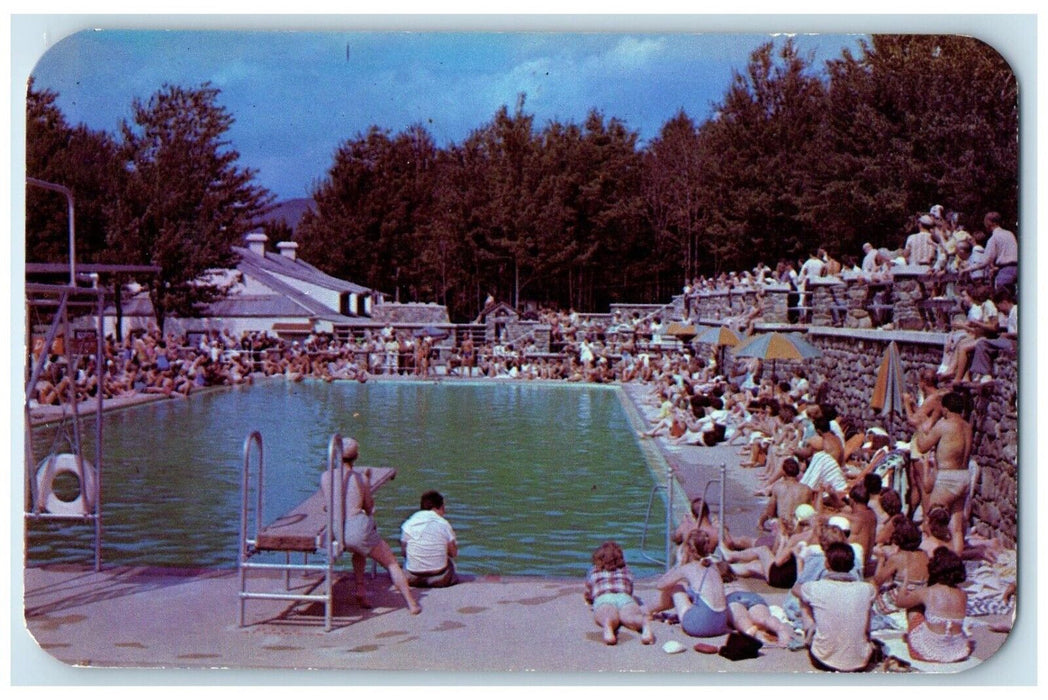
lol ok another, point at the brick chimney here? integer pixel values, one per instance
(287, 249)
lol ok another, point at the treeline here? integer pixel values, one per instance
(166, 191)
(583, 215)
(580, 215)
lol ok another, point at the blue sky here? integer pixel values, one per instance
(297, 95)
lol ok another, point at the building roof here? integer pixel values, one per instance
(497, 308)
(297, 269)
(271, 270)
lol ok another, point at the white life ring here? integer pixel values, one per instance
(47, 470)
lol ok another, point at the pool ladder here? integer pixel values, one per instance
(670, 483)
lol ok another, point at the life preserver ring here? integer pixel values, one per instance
(49, 469)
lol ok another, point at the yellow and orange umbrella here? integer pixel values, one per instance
(719, 335)
(777, 346)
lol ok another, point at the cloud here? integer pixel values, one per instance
(298, 95)
(632, 52)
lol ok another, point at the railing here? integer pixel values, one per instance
(669, 523)
(248, 545)
(657, 311)
(64, 297)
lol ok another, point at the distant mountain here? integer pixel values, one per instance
(290, 211)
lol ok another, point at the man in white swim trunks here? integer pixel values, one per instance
(429, 545)
(358, 533)
(945, 480)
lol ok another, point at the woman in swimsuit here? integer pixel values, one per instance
(937, 531)
(776, 564)
(695, 590)
(936, 630)
(907, 562)
(609, 589)
(749, 613)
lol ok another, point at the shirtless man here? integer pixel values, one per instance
(921, 413)
(786, 495)
(863, 526)
(469, 356)
(358, 527)
(945, 479)
(825, 453)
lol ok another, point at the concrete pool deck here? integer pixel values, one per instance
(163, 618)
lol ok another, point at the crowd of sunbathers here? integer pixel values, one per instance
(864, 533)
(174, 366)
(146, 361)
(628, 347)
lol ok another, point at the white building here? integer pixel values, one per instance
(274, 292)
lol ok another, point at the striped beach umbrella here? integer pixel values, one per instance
(719, 335)
(777, 346)
(888, 388)
(680, 330)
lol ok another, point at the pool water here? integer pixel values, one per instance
(534, 476)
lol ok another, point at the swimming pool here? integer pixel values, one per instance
(535, 476)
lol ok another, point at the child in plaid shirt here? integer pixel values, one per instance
(609, 589)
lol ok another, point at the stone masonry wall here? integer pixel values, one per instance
(848, 368)
(720, 304)
(394, 312)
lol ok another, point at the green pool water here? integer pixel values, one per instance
(534, 476)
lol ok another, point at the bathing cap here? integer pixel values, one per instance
(803, 512)
(841, 522)
(350, 449)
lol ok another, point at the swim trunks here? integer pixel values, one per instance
(953, 483)
(747, 599)
(359, 533)
(432, 579)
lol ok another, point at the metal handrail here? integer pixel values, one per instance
(720, 518)
(659, 310)
(333, 544)
(66, 298)
(243, 553)
(335, 467)
(669, 523)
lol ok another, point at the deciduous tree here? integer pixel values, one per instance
(183, 201)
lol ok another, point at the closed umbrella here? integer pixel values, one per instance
(887, 390)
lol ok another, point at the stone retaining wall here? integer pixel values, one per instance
(411, 312)
(664, 311)
(848, 369)
(721, 305)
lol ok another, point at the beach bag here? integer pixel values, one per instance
(740, 646)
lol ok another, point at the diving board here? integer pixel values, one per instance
(305, 529)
